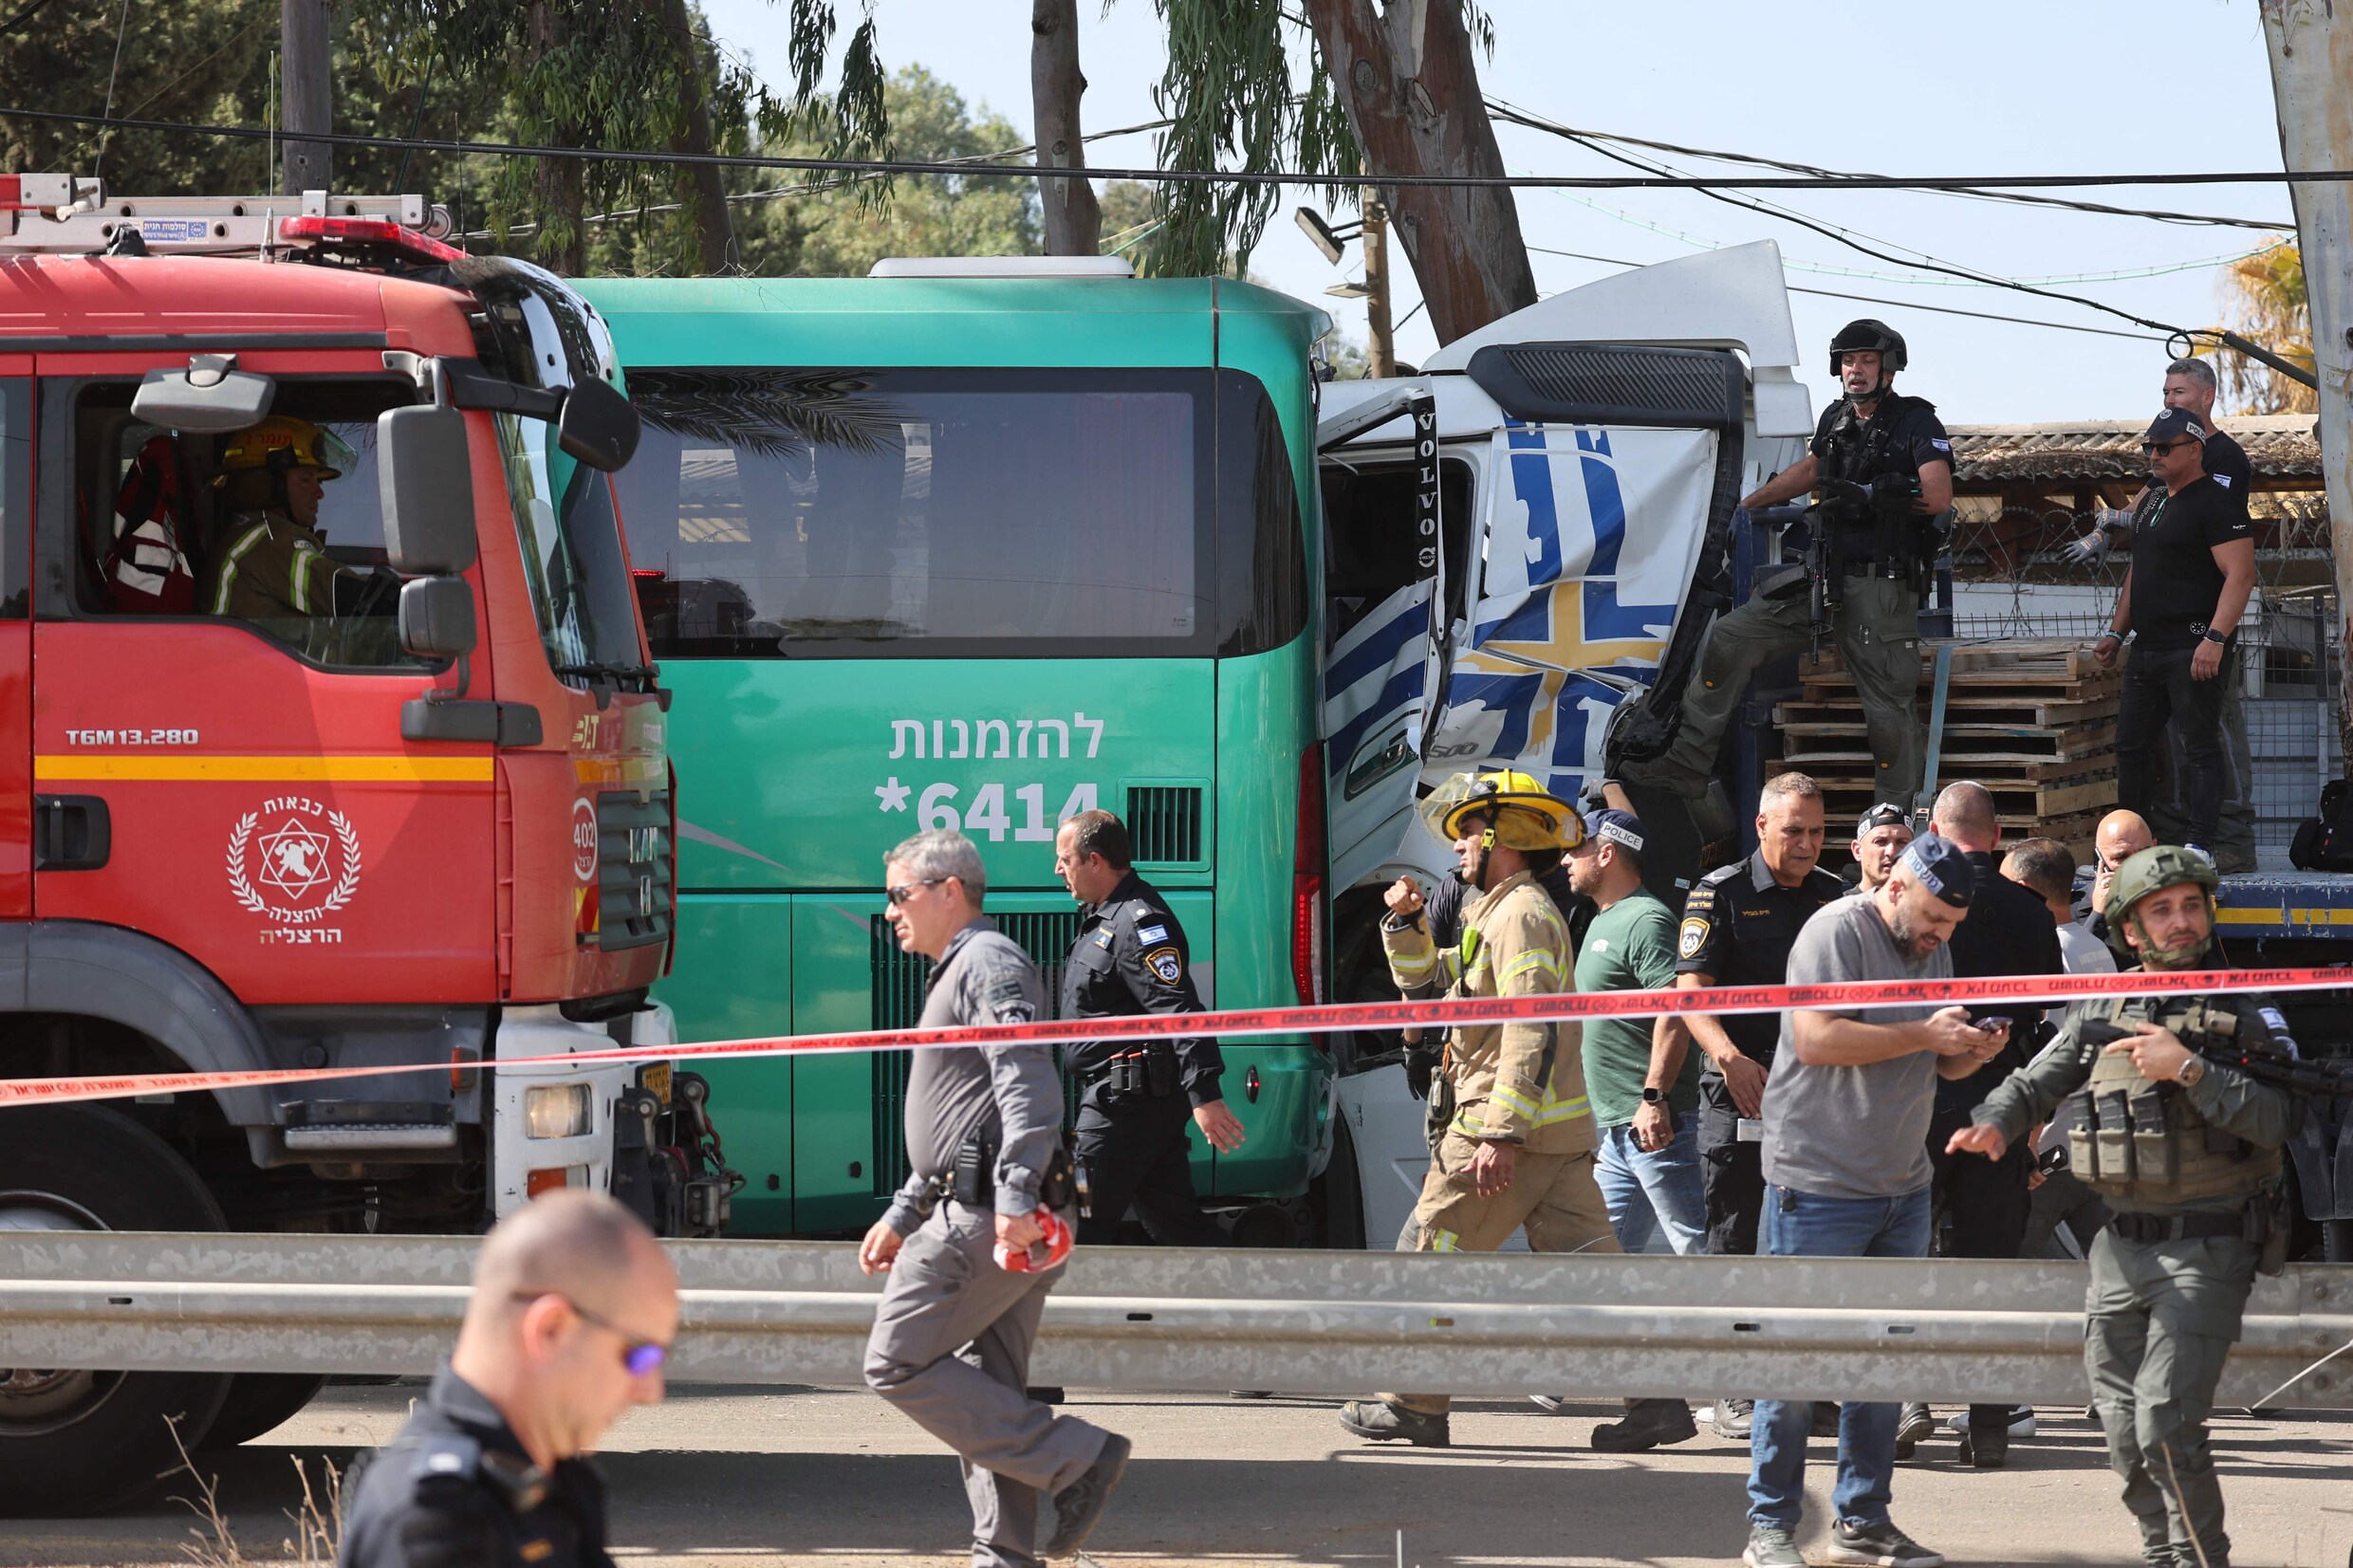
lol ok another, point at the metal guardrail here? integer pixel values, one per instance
(1300, 1322)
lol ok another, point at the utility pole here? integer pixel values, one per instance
(1379, 341)
(2311, 49)
(310, 96)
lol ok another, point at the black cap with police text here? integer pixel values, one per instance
(1619, 827)
(2174, 423)
(1937, 864)
(1886, 814)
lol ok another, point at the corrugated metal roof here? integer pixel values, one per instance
(2282, 447)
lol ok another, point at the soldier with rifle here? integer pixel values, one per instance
(1881, 466)
(2180, 1105)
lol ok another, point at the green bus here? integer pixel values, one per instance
(977, 544)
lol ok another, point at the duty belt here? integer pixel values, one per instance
(2177, 1228)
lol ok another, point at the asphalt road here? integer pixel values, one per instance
(746, 1477)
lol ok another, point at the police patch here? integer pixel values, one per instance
(1007, 1002)
(1102, 937)
(1165, 965)
(1693, 937)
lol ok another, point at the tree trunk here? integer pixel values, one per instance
(1416, 108)
(1073, 219)
(563, 240)
(705, 193)
(310, 96)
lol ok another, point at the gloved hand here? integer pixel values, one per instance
(1421, 1062)
(2090, 550)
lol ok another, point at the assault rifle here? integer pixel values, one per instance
(2212, 1033)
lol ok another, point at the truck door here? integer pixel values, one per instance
(218, 732)
(1386, 624)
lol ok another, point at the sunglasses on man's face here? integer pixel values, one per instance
(640, 1357)
(2158, 448)
(894, 896)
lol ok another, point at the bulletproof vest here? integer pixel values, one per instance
(2140, 1140)
(1861, 450)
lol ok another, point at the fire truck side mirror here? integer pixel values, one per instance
(208, 398)
(598, 426)
(424, 479)
(437, 617)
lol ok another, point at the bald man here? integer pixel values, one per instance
(2120, 835)
(573, 1309)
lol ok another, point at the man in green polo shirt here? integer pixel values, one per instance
(1645, 1096)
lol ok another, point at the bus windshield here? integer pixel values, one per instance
(869, 513)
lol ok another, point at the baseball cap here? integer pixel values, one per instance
(1886, 814)
(2174, 423)
(1619, 827)
(1937, 864)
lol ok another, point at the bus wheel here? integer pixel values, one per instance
(75, 1442)
(259, 1402)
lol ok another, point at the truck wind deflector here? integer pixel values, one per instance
(1613, 384)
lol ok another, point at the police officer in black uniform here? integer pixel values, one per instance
(1139, 1097)
(1739, 922)
(568, 1325)
(1873, 567)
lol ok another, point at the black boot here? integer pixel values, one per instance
(1649, 1424)
(1382, 1422)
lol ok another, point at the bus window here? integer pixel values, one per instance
(1369, 547)
(931, 513)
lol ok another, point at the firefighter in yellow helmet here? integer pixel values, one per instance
(271, 566)
(1518, 1148)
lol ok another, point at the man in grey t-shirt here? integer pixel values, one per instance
(1846, 1170)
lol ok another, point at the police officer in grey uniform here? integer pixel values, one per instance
(1873, 436)
(2186, 1150)
(568, 1326)
(1139, 1097)
(952, 1337)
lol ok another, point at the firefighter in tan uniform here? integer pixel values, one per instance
(271, 566)
(1519, 1136)
(2185, 1147)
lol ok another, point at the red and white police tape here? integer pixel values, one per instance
(1327, 1018)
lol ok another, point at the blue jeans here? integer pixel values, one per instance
(1651, 1191)
(1804, 1225)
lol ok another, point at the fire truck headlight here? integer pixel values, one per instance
(556, 1111)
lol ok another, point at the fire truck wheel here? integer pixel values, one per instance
(76, 1442)
(260, 1402)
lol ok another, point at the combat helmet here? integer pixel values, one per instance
(2154, 870)
(1868, 335)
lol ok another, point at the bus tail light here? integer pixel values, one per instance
(1307, 881)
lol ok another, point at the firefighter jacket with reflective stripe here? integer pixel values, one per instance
(2154, 1148)
(1521, 1082)
(270, 567)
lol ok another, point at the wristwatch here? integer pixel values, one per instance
(2191, 1072)
(1651, 1096)
(2213, 635)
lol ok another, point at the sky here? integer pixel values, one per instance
(2000, 86)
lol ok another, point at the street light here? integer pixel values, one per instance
(1323, 236)
(1381, 349)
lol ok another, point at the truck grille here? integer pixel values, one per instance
(636, 870)
(1165, 821)
(898, 1002)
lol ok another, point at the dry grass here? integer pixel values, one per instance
(318, 1521)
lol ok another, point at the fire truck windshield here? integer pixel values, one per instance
(572, 554)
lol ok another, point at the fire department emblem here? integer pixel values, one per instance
(294, 860)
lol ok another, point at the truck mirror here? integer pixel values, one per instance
(424, 481)
(437, 617)
(207, 399)
(598, 426)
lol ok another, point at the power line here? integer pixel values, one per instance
(1537, 123)
(1217, 176)
(1901, 305)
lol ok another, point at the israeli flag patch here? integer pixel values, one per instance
(2222, 479)
(1150, 934)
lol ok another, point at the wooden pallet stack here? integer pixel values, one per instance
(2033, 720)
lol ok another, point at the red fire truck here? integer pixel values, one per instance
(328, 738)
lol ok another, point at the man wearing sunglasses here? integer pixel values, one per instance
(2194, 566)
(952, 1334)
(573, 1309)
